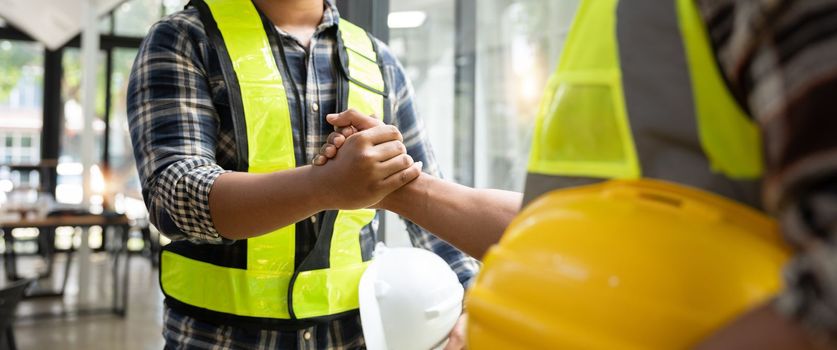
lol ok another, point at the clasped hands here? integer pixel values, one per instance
(372, 162)
(382, 167)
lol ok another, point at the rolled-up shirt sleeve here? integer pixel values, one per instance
(174, 131)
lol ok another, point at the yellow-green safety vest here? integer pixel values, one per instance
(261, 282)
(638, 93)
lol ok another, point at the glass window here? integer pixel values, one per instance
(517, 46)
(69, 186)
(422, 36)
(518, 42)
(172, 6)
(134, 17)
(106, 24)
(21, 97)
(123, 181)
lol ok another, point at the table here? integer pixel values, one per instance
(46, 169)
(118, 221)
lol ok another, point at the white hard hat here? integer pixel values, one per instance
(410, 299)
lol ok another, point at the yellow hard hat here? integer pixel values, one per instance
(623, 265)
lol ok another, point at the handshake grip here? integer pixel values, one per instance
(364, 160)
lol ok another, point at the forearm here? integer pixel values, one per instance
(762, 328)
(470, 219)
(245, 205)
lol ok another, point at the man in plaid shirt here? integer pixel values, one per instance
(179, 115)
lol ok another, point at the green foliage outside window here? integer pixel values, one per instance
(14, 58)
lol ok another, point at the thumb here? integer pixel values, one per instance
(353, 118)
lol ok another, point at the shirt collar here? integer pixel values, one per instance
(330, 18)
(330, 15)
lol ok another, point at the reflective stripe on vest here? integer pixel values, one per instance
(269, 286)
(366, 84)
(638, 93)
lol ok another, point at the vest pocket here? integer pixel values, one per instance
(583, 130)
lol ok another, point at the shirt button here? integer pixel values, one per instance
(306, 335)
(315, 107)
(314, 219)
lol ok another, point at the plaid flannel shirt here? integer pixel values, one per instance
(780, 57)
(183, 139)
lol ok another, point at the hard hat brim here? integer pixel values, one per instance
(370, 315)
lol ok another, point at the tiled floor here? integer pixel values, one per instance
(140, 329)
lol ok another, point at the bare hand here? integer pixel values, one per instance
(372, 164)
(345, 124)
(456, 339)
(763, 328)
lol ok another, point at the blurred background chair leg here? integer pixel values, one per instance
(9, 258)
(10, 338)
(9, 299)
(46, 248)
(67, 265)
(120, 294)
(151, 248)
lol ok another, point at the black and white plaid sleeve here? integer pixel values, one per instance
(781, 57)
(174, 130)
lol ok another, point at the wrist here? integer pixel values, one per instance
(322, 196)
(408, 196)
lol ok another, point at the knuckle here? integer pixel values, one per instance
(393, 131)
(362, 136)
(345, 131)
(366, 155)
(332, 137)
(354, 141)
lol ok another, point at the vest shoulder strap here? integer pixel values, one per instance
(356, 39)
(366, 90)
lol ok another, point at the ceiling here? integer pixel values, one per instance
(414, 5)
(52, 22)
